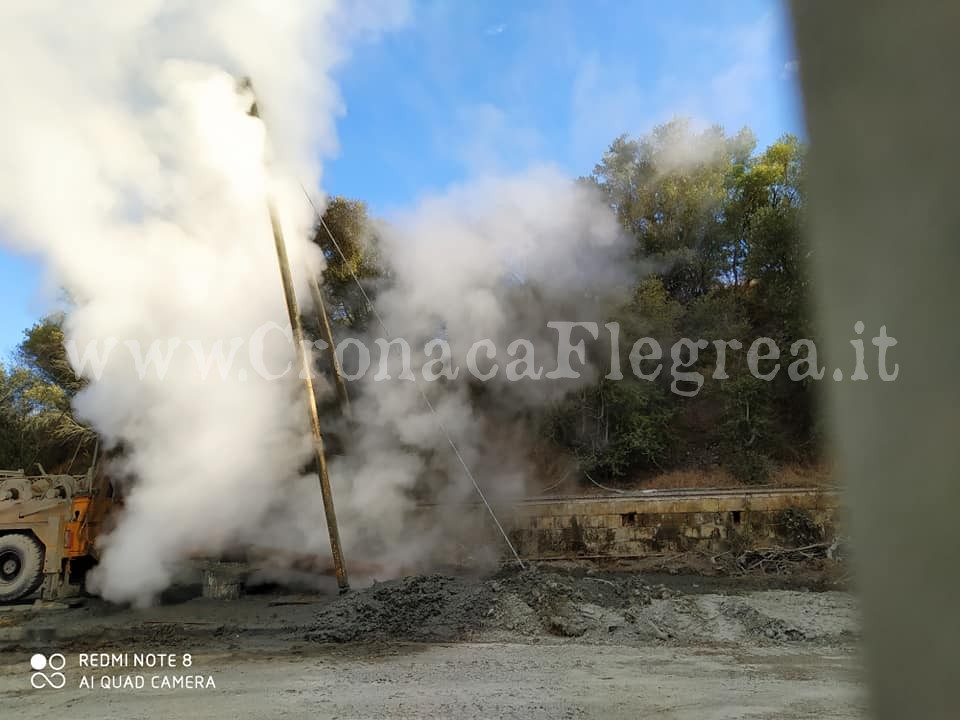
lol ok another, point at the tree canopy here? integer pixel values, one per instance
(717, 226)
(37, 425)
(721, 226)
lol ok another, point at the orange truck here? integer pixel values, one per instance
(48, 528)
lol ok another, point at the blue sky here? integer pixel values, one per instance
(470, 87)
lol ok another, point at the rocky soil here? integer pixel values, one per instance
(596, 606)
(546, 642)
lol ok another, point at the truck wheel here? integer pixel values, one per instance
(21, 566)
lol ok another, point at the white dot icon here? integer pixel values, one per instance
(38, 661)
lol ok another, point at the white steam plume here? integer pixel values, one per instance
(131, 166)
(497, 258)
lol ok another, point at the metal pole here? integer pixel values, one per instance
(321, 310)
(293, 311)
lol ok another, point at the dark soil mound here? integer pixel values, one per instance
(422, 608)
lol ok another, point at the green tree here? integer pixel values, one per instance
(718, 229)
(616, 428)
(37, 425)
(669, 190)
(348, 238)
(43, 351)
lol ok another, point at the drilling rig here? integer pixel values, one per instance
(48, 530)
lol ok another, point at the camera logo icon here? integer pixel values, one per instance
(40, 679)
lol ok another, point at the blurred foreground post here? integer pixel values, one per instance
(883, 114)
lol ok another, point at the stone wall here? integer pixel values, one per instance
(639, 525)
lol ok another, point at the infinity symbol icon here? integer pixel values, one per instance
(55, 662)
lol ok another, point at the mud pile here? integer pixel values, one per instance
(419, 608)
(440, 607)
(566, 604)
(558, 604)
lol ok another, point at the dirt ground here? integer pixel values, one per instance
(547, 642)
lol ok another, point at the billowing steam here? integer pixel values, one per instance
(132, 166)
(494, 260)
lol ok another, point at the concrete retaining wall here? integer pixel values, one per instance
(637, 525)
